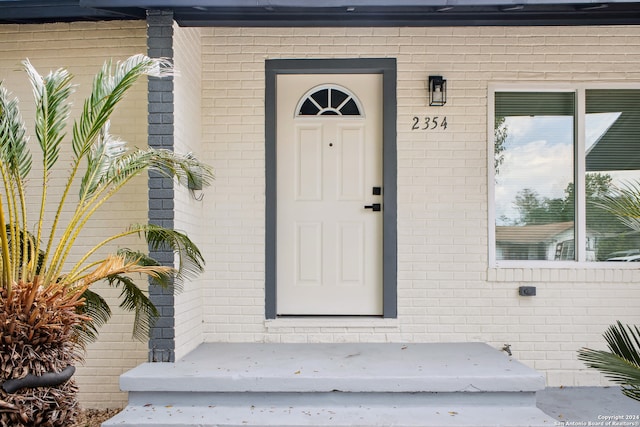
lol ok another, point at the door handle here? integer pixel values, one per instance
(376, 207)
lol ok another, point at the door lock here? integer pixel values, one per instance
(376, 207)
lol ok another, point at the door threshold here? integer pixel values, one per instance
(324, 322)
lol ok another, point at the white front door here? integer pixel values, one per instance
(329, 178)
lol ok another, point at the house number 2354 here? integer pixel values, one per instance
(429, 123)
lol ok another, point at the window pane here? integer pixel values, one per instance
(337, 97)
(350, 109)
(612, 146)
(534, 203)
(308, 108)
(322, 97)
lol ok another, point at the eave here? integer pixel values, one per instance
(333, 13)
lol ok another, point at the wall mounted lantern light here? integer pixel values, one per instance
(437, 91)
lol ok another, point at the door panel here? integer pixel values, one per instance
(350, 259)
(329, 246)
(308, 163)
(351, 163)
(309, 254)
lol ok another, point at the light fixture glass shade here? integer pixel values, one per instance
(437, 91)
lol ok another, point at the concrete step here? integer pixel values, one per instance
(330, 416)
(460, 384)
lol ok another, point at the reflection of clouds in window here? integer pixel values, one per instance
(596, 125)
(553, 129)
(539, 166)
(538, 156)
(518, 127)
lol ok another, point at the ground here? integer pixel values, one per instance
(95, 417)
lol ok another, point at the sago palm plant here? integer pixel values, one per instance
(621, 363)
(48, 309)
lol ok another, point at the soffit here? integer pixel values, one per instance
(332, 12)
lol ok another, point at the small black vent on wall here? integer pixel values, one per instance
(527, 291)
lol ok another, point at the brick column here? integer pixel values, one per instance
(160, 44)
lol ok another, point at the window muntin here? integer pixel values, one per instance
(329, 100)
(542, 140)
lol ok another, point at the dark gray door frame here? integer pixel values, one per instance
(387, 67)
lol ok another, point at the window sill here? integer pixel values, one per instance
(584, 272)
(331, 323)
(572, 265)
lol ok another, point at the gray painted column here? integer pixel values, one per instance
(161, 201)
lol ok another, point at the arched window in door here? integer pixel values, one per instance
(329, 100)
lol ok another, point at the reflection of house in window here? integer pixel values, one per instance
(533, 242)
(542, 242)
(616, 148)
(565, 250)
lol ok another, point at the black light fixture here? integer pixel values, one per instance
(437, 91)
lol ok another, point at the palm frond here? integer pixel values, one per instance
(52, 110)
(625, 342)
(624, 202)
(190, 259)
(109, 87)
(117, 167)
(621, 364)
(135, 300)
(96, 308)
(187, 169)
(15, 165)
(7, 276)
(162, 280)
(100, 161)
(119, 264)
(51, 95)
(14, 153)
(24, 241)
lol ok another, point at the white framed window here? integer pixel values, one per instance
(554, 150)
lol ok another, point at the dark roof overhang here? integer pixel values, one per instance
(41, 11)
(333, 13)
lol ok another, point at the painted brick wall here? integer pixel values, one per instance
(82, 48)
(161, 188)
(190, 215)
(447, 292)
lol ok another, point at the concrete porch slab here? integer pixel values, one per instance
(439, 368)
(343, 385)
